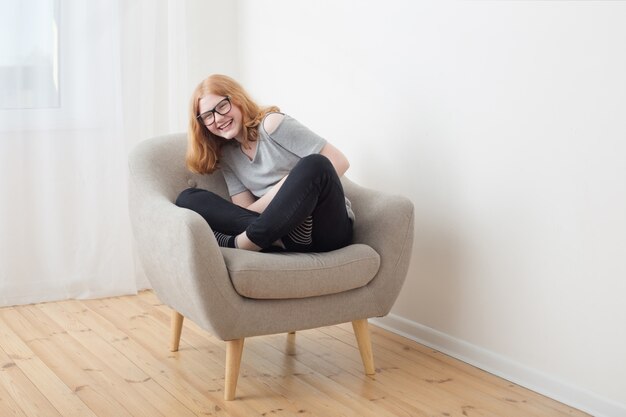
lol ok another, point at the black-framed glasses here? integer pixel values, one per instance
(222, 108)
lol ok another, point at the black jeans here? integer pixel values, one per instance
(312, 189)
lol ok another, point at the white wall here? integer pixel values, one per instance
(165, 52)
(504, 123)
(212, 39)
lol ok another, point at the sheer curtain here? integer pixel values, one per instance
(122, 77)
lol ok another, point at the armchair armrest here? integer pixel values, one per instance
(384, 222)
(182, 261)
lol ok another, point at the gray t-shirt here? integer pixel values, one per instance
(275, 156)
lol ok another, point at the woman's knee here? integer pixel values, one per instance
(183, 198)
(316, 163)
(189, 198)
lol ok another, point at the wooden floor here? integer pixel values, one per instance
(110, 357)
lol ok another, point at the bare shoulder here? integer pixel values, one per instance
(272, 121)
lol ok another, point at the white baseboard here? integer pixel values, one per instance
(503, 367)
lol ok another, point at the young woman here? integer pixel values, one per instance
(283, 179)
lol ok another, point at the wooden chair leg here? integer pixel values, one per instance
(290, 345)
(234, 349)
(177, 328)
(362, 333)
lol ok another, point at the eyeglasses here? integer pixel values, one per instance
(222, 108)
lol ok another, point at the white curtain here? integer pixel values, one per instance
(64, 228)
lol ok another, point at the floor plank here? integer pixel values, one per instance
(20, 396)
(66, 401)
(110, 357)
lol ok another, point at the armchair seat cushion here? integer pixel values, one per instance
(300, 275)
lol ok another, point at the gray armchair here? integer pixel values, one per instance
(236, 294)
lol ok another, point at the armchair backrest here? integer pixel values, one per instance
(159, 165)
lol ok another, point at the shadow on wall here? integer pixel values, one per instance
(426, 170)
(435, 290)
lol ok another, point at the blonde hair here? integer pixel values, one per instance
(203, 147)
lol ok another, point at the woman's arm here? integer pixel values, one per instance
(338, 159)
(261, 204)
(247, 200)
(243, 199)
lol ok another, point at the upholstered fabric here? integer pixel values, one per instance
(300, 275)
(188, 271)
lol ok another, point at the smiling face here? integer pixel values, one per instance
(227, 126)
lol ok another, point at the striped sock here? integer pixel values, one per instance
(303, 233)
(224, 240)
